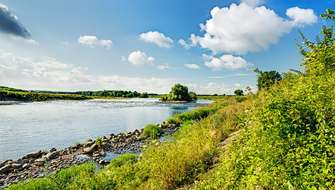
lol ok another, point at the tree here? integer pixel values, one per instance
(193, 96)
(179, 93)
(265, 79)
(238, 92)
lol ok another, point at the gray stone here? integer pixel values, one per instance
(2, 164)
(6, 169)
(25, 166)
(90, 149)
(40, 161)
(33, 155)
(52, 155)
(81, 158)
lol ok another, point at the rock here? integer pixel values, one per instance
(90, 149)
(81, 158)
(89, 143)
(40, 161)
(52, 155)
(16, 165)
(6, 169)
(26, 166)
(2, 164)
(53, 150)
(103, 162)
(33, 155)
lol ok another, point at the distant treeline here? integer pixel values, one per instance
(7, 93)
(35, 96)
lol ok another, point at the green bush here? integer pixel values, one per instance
(151, 131)
(179, 93)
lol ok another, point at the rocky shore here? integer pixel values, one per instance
(41, 163)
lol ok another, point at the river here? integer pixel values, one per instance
(27, 127)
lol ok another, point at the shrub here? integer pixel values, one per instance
(266, 79)
(238, 92)
(179, 93)
(151, 131)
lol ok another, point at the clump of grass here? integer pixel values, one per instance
(151, 131)
(98, 141)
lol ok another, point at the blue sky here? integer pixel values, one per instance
(81, 44)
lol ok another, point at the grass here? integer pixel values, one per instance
(151, 131)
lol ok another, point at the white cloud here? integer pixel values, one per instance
(140, 58)
(184, 44)
(163, 67)
(301, 16)
(156, 38)
(253, 3)
(224, 62)
(243, 28)
(46, 73)
(2, 6)
(93, 41)
(192, 66)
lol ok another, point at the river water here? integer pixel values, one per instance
(27, 127)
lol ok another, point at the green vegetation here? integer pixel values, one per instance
(179, 93)
(151, 131)
(266, 79)
(281, 138)
(113, 93)
(7, 93)
(34, 96)
(239, 92)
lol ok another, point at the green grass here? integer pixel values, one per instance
(151, 131)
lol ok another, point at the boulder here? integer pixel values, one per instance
(6, 169)
(2, 164)
(40, 161)
(33, 155)
(52, 155)
(81, 159)
(90, 149)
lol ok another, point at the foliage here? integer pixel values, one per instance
(98, 141)
(34, 96)
(144, 95)
(239, 92)
(179, 93)
(266, 79)
(113, 93)
(289, 141)
(151, 131)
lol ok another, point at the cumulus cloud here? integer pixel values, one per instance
(253, 3)
(192, 66)
(301, 16)
(243, 28)
(92, 41)
(156, 38)
(140, 58)
(9, 23)
(184, 44)
(51, 74)
(47, 73)
(224, 62)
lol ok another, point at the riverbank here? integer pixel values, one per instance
(99, 151)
